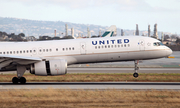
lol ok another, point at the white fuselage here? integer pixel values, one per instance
(89, 50)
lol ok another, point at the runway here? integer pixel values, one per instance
(103, 85)
(113, 70)
(95, 85)
(123, 70)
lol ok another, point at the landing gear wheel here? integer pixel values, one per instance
(15, 80)
(22, 80)
(136, 68)
(135, 75)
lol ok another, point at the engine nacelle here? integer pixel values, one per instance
(51, 67)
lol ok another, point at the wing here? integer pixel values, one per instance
(8, 61)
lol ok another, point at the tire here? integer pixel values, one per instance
(15, 80)
(135, 75)
(22, 80)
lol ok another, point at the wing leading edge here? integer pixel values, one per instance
(7, 60)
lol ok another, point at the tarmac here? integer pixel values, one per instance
(95, 85)
(122, 70)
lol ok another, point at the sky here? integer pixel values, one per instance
(124, 14)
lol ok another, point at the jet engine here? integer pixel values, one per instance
(51, 67)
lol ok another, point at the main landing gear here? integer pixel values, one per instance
(136, 68)
(16, 80)
(20, 73)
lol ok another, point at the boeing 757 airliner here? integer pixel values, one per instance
(52, 57)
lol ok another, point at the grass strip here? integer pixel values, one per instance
(89, 98)
(97, 77)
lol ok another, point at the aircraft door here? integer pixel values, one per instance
(141, 45)
(83, 48)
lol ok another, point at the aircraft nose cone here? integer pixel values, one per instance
(169, 51)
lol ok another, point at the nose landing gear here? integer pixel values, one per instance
(136, 68)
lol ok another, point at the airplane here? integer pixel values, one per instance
(50, 58)
(110, 31)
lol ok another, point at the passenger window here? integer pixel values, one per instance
(63, 49)
(111, 46)
(73, 48)
(56, 49)
(50, 50)
(0, 52)
(69, 48)
(105, 46)
(24, 51)
(124, 45)
(17, 52)
(108, 46)
(7, 52)
(30, 51)
(121, 45)
(118, 45)
(99, 47)
(95, 47)
(34, 50)
(10, 52)
(20, 51)
(4, 53)
(66, 49)
(14, 52)
(46, 50)
(27, 51)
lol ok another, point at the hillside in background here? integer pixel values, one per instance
(46, 28)
(41, 28)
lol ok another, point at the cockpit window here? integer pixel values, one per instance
(155, 44)
(161, 44)
(158, 44)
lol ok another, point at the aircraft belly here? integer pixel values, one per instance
(142, 55)
(118, 56)
(136, 55)
(156, 54)
(86, 58)
(102, 57)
